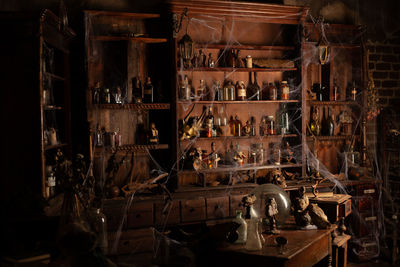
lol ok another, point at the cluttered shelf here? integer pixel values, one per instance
(334, 103)
(237, 102)
(132, 148)
(240, 137)
(139, 106)
(244, 46)
(230, 69)
(332, 138)
(230, 168)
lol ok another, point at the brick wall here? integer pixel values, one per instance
(384, 62)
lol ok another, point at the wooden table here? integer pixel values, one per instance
(304, 248)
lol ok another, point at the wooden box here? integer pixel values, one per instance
(335, 207)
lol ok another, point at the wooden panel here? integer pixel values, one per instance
(131, 242)
(167, 215)
(193, 210)
(115, 218)
(140, 214)
(217, 207)
(345, 208)
(235, 203)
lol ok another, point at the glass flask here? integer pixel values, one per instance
(253, 241)
(98, 224)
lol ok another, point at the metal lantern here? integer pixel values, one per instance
(186, 48)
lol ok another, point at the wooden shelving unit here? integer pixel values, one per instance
(223, 69)
(148, 106)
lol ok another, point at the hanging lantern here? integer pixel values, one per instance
(186, 48)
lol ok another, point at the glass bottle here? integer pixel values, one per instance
(238, 127)
(273, 92)
(186, 90)
(319, 90)
(229, 91)
(330, 124)
(285, 90)
(284, 119)
(336, 90)
(201, 91)
(219, 91)
(240, 91)
(270, 125)
(211, 62)
(253, 126)
(209, 123)
(99, 137)
(353, 91)
(232, 126)
(98, 224)
(263, 126)
(253, 241)
(96, 94)
(118, 95)
(256, 87)
(106, 96)
(242, 230)
(315, 124)
(148, 91)
(137, 93)
(51, 184)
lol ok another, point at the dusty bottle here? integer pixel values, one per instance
(98, 224)
(238, 127)
(324, 123)
(284, 120)
(330, 124)
(219, 91)
(284, 90)
(315, 125)
(229, 91)
(240, 91)
(186, 89)
(211, 62)
(336, 90)
(242, 230)
(201, 91)
(137, 93)
(273, 92)
(148, 91)
(209, 123)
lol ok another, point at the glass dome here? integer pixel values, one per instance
(266, 191)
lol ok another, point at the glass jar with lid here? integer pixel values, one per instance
(285, 90)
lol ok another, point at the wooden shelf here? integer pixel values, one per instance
(229, 169)
(240, 137)
(199, 188)
(52, 108)
(332, 138)
(228, 69)
(244, 47)
(333, 103)
(142, 147)
(142, 106)
(122, 14)
(338, 45)
(146, 40)
(189, 102)
(53, 76)
(55, 146)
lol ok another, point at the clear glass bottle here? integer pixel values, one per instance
(240, 91)
(98, 224)
(253, 241)
(284, 120)
(211, 62)
(336, 91)
(219, 91)
(148, 91)
(229, 91)
(186, 90)
(242, 230)
(273, 92)
(51, 184)
(96, 94)
(270, 122)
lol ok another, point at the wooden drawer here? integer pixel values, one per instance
(235, 203)
(365, 203)
(367, 190)
(217, 207)
(345, 208)
(115, 217)
(131, 242)
(140, 214)
(171, 215)
(193, 210)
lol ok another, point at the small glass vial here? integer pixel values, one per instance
(285, 90)
(249, 62)
(240, 91)
(270, 125)
(273, 92)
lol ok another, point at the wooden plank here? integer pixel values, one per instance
(228, 69)
(244, 46)
(146, 40)
(121, 14)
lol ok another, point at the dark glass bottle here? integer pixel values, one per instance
(324, 123)
(330, 124)
(148, 91)
(253, 126)
(315, 124)
(137, 92)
